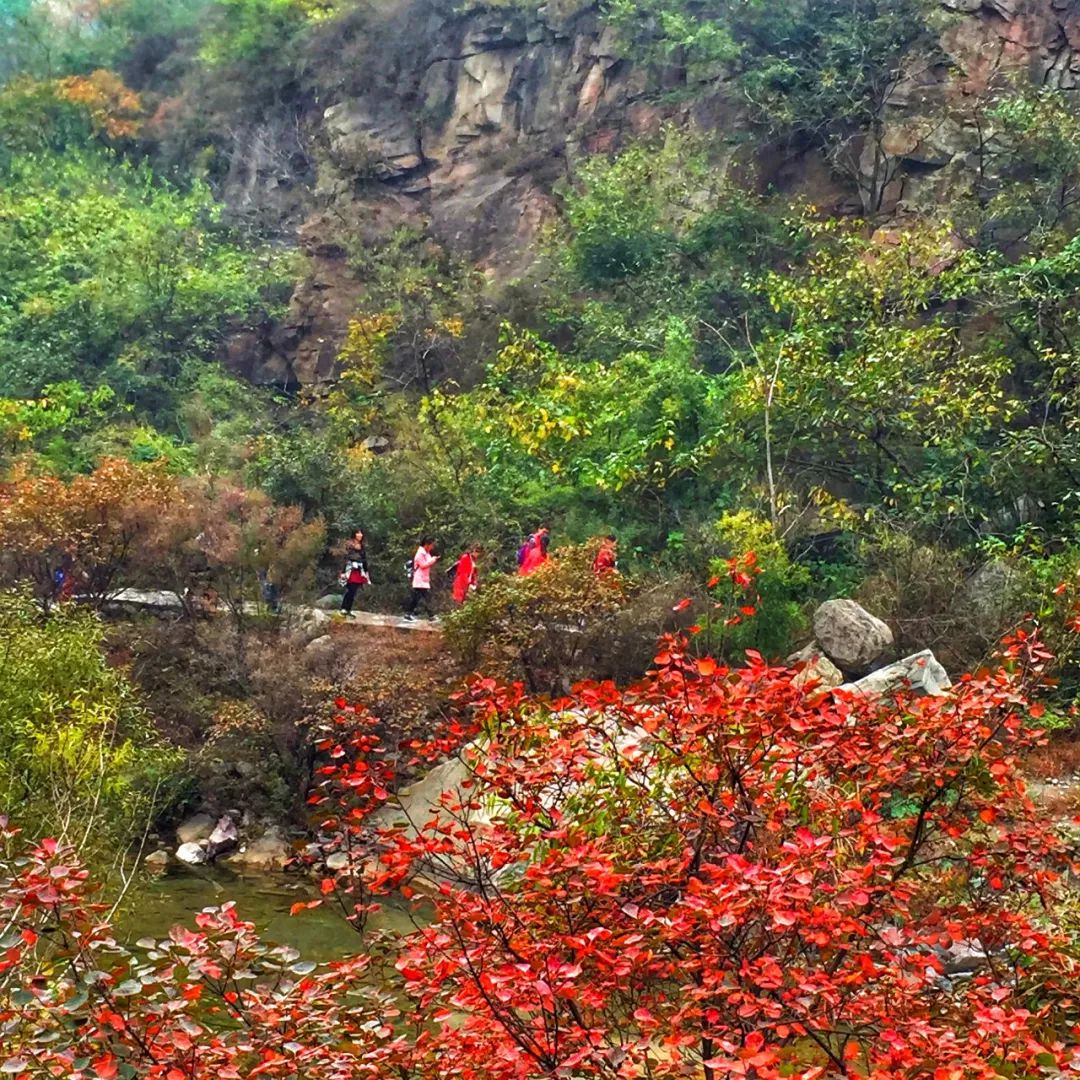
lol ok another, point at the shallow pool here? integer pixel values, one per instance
(178, 895)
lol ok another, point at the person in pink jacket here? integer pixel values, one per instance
(422, 562)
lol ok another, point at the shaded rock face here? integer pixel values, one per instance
(934, 122)
(816, 669)
(460, 125)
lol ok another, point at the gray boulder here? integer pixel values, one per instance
(816, 668)
(849, 635)
(988, 594)
(197, 828)
(192, 854)
(322, 648)
(310, 622)
(920, 673)
(329, 602)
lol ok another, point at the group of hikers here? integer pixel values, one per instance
(532, 554)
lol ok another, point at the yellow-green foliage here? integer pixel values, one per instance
(777, 591)
(248, 31)
(79, 759)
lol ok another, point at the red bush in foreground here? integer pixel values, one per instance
(711, 873)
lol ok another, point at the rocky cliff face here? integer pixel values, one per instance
(935, 123)
(461, 125)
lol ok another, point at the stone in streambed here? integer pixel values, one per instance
(269, 852)
(224, 837)
(192, 854)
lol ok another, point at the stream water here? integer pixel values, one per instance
(176, 897)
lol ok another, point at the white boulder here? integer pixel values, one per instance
(920, 673)
(192, 854)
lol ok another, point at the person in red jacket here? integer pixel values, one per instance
(606, 561)
(535, 553)
(465, 575)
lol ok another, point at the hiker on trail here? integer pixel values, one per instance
(422, 562)
(63, 585)
(465, 575)
(355, 575)
(269, 591)
(607, 557)
(533, 553)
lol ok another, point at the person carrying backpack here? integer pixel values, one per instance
(422, 562)
(465, 575)
(533, 553)
(355, 575)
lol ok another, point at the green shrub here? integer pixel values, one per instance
(778, 591)
(537, 626)
(112, 277)
(79, 759)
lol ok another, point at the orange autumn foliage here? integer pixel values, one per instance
(114, 109)
(90, 527)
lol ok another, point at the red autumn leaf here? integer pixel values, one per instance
(105, 1067)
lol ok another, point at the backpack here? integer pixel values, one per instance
(523, 551)
(409, 570)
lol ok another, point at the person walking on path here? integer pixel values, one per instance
(534, 553)
(465, 575)
(422, 562)
(606, 561)
(355, 574)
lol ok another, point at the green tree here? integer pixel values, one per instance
(112, 277)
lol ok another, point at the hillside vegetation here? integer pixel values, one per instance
(775, 302)
(865, 372)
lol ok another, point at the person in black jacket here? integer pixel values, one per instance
(355, 573)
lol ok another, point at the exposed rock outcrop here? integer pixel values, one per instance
(459, 124)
